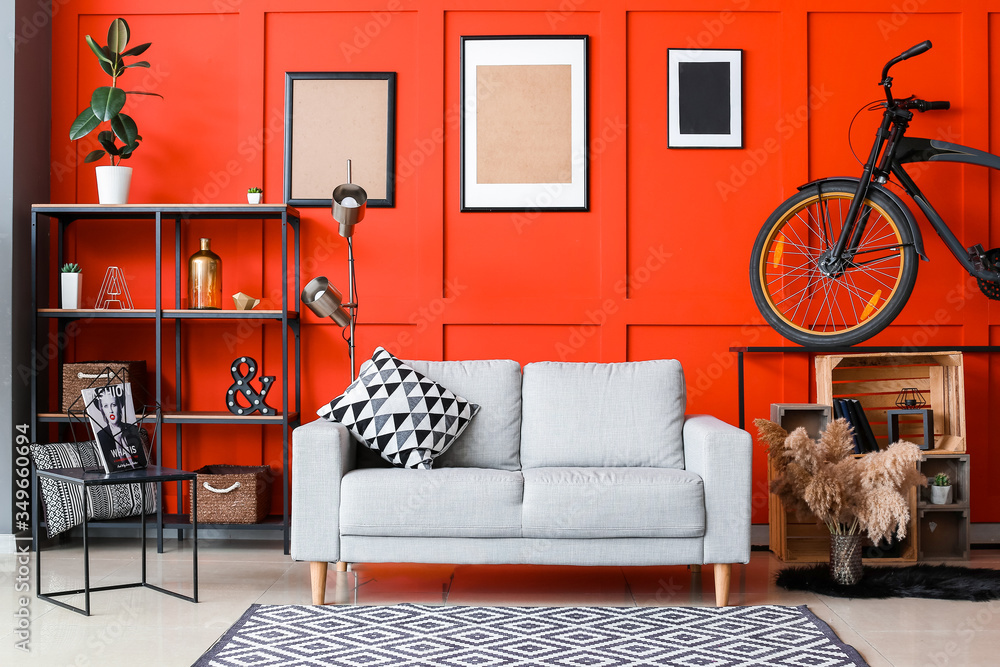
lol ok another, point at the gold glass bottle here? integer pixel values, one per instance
(205, 279)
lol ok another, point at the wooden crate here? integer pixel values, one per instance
(876, 380)
(796, 539)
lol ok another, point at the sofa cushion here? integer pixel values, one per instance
(493, 438)
(409, 419)
(612, 502)
(603, 415)
(447, 502)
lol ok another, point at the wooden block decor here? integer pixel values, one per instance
(876, 380)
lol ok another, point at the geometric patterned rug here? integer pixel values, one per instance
(454, 636)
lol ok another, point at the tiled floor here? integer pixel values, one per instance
(143, 627)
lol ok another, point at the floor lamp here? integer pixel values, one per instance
(322, 298)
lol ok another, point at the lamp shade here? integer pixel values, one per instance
(349, 203)
(325, 300)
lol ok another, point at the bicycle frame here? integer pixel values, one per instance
(913, 150)
(899, 150)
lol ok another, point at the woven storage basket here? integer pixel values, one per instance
(233, 494)
(78, 376)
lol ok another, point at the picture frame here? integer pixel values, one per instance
(705, 98)
(525, 123)
(332, 117)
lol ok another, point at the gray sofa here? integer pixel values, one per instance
(565, 463)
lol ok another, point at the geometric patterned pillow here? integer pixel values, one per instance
(63, 503)
(403, 415)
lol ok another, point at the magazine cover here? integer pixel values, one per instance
(112, 416)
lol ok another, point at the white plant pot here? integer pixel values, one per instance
(940, 495)
(71, 284)
(113, 184)
(254, 197)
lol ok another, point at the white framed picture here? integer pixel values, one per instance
(524, 123)
(705, 98)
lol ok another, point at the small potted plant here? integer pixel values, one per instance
(71, 282)
(940, 489)
(106, 105)
(254, 195)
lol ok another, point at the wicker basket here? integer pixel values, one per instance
(78, 376)
(233, 494)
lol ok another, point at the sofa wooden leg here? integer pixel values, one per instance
(341, 566)
(695, 569)
(317, 574)
(723, 572)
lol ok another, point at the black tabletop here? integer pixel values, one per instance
(99, 477)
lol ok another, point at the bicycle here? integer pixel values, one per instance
(835, 263)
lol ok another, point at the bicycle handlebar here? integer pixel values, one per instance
(922, 47)
(922, 105)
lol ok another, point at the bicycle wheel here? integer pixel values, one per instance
(810, 306)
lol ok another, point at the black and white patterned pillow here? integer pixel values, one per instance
(63, 502)
(403, 415)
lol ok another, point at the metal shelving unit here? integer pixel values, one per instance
(162, 215)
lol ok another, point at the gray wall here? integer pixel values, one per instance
(25, 114)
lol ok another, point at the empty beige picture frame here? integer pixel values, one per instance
(332, 117)
(524, 123)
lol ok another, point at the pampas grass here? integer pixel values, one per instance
(848, 494)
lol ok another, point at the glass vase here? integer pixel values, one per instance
(845, 559)
(205, 279)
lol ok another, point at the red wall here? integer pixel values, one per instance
(657, 268)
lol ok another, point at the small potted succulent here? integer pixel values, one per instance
(940, 489)
(70, 283)
(254, 195)
(106, 105)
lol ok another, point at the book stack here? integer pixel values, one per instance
(851, 410)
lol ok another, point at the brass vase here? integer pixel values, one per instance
(205, 279)
(845, 559)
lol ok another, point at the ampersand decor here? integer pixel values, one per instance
(241, 387)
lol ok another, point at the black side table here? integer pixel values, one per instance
(84, 479)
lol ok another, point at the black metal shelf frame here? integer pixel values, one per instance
(741, 351)
(180, 214)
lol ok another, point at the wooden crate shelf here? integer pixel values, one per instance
(876, 380)
(796, 539)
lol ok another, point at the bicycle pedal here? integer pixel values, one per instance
(978, 257)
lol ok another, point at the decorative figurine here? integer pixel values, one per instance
(241, 387)
(245, 301)
(114, 291)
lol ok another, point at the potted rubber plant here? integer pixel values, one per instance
(940, 489)
(106, 105)
(70, 285)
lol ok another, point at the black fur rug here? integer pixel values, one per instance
(944, 582)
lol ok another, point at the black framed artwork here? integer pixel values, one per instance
(705, 98)
(524, 123)
(333, 117)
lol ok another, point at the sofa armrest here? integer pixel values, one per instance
(723, 456)
(322, 452)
